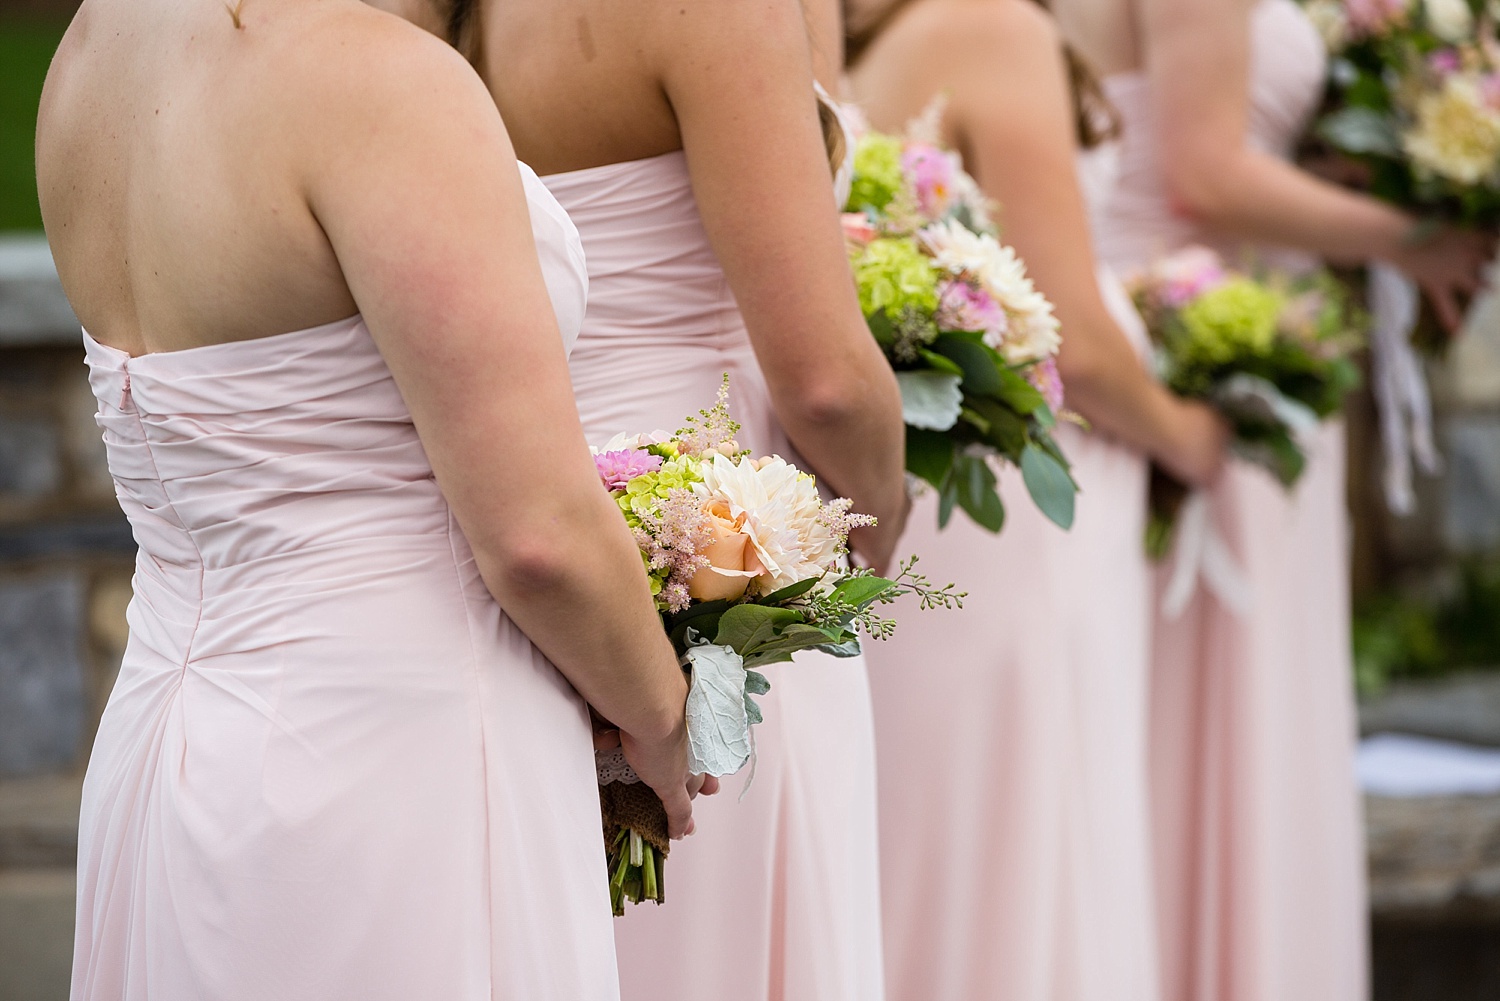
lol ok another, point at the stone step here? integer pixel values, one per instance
(39, 822)
(1464, 707)
(36, 933)
(1434, 859)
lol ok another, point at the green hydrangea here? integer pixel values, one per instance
(644, 493)
(878, 174)
(893, 274)
(1233, 320)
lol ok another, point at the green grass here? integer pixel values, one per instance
(26, 47)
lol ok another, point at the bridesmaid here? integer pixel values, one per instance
(684, 141)
(334, 764)
(1013, 763)
(1258, 841)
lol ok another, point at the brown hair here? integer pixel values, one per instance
(1095, 119)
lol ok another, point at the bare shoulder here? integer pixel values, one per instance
(677, 27)
(977, 29)
(345, 67)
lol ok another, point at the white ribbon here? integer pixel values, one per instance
(1200, 552)
(1400, 386)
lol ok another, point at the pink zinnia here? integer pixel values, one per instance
(1044, 376)
(932, 171)
(1187, 274)
(617, 469)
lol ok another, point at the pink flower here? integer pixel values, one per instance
(857, 228)
(1187, 274)
(933, 171)
(1489, 89)
(1044, 376)
(962, 306)
(1444, 62)
(618, 468)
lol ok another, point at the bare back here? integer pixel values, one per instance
(170, 152)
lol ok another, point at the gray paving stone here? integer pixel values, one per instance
(43, 692)
(33, 309)
(1471, 521)
(39, 821)
(1464, 707)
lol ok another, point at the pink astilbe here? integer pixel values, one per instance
(834, 515)
(671, 539)
(1044, 376)
(617, 469)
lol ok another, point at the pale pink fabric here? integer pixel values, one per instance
(1259, 848)
(331, 768)
(776, 896)
(1012, 746)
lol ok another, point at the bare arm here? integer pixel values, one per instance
(1197, 55)
(1012, 111)
(417, 188)
(740, 81)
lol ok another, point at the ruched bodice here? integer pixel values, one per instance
(661, 313)
(1288, 62)
(321, 708)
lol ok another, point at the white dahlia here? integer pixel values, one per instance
(1032, 334)
(1457, 135)
(782, 510)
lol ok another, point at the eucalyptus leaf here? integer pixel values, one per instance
(757, 683)
(930, 400)
(848, 648)
(718, 724)
(1049, 484)
(861, 591)
(929, 455)
(1020, 395)
(940, 362)
(977, 493)
(947, 498)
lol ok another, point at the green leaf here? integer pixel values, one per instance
(947, 498)
(929, 455)
(1007, 430)
(977, 494)
(940, 362)
(860, 591)
(982, 367)
(848, 648)
(789, 592)
(1020, 395)
(1361, 130)
(882, 328)
(1049, 484)
(757, 683)
(744, 623)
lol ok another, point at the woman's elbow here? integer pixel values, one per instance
(1202, 188)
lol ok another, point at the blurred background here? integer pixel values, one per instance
(1426, 629)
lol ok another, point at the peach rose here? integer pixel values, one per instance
(732, 558)
(857, 229)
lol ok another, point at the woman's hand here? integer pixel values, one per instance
(663, 765)
(1449, 267)
(1202, 446)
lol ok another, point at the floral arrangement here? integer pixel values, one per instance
(748, 566)
(1271, 353)
(1415, 96)
(973, 343)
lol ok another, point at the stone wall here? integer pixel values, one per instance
(65, 549)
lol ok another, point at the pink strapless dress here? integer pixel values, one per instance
(776, 896)
(331, 768)
(1259, 847)
(1013, 809)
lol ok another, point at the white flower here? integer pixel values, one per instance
(1032, 334)
(1331, 20)
(781, 506)
(1450, 20)
(1457, 135)
(623, 442)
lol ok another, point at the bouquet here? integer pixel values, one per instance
(973, 343)
(1272, 354)
(747, 563)
(1415, 99)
